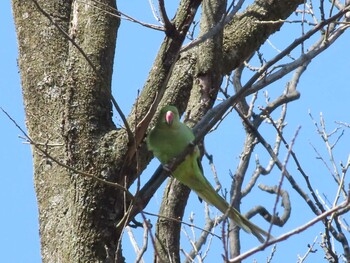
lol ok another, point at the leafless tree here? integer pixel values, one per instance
(84, 164)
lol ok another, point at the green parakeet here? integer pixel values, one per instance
(167, 140)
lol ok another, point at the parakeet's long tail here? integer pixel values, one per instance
(210, 196)
(248, 226)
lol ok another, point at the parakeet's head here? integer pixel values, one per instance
(169, 116)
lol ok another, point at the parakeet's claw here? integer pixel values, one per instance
(166, 167)
(192, 144)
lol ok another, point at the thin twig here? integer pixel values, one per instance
(139, 252)
(295, 43)
(154, 11)
(208, 230)
(300, 169)
(116, 13)
(226, 18)
(273, 251)
(309, 250)
(55, 160)
(283, 172)
(291, 233)
(280, 166)
(131, 19)
(183, 223)
(168, 25)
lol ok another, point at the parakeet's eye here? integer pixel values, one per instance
(169, 117)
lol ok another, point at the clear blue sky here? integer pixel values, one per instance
(324, 88)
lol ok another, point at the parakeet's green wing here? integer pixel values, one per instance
(167, 140)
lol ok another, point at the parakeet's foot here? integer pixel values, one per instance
(169, 167)
(166, 167)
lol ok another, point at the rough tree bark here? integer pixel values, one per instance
(69, 111)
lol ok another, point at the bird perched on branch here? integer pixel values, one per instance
(167, 140)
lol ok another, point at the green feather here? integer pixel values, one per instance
(167, 140)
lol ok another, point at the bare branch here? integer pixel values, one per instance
(308, 252)
(270, 258)
(168, 25)
(322, 131)
(273, 219)
(127, 17)
(216, 29)
(154, 11)
(139, 252)
(184, 223)
(122, 15)
(280, 166)
(291, 233)
(210, 224)
(213, 169)
(317, 49)
(38, 146)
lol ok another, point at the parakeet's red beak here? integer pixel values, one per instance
(169, 117)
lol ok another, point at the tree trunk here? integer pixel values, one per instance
(68, 111)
